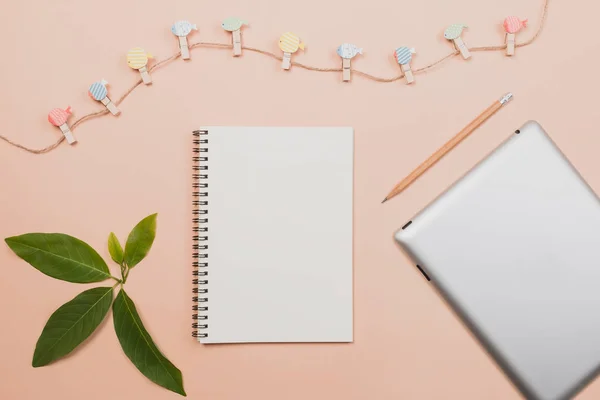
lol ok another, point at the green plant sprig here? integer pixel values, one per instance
(69, 259)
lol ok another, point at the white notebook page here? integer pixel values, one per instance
(279, 235)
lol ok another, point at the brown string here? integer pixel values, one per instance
(175, 56)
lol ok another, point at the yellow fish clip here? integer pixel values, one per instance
(137, 58)
(289, 43)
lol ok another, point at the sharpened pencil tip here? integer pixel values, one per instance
(384, 200)
(506, 98)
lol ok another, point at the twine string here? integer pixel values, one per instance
(166, 61)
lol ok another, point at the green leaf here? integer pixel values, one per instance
(139, 347)
(60, 256)
(71, 324)
(115, 249)
(140, 240)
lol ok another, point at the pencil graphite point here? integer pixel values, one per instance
(506, 98)
(384, 200)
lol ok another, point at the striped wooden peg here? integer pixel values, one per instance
(404, 57)
(289, 43)
(512, 25)
(58, 117)
(99, 92)
(137, 58)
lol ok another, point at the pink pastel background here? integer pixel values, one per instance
(408, 344)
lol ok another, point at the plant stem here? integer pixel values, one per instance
(124, 273)
(116, 279)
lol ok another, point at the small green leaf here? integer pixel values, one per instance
(140, 241)
(60, 256)
(71, 324)
(115, 249)
(139, 347)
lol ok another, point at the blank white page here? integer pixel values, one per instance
(279, 235)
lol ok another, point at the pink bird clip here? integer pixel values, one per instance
(512, 25)
(58, 117)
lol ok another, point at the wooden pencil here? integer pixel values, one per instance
(449, 145)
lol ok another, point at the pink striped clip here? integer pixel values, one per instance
(58, 117)
(512, 25)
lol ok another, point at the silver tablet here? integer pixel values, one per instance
(514, 247)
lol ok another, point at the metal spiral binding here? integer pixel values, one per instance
(200, 237)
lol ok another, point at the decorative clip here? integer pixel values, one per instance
(453, 33)
(181, 29)
(99, 92)
(137, 58)
(347, 51)
(58, 117)
(404, 57)
(234, 25)
(512, 25)
(289, 43)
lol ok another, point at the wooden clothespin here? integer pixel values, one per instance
(234, 25)
(289, 43)
(404, 57)
(347, 51)
(182, 29)
(512, 25)
(58, 117)
(137, 58)
(99, 92)
(453, 33)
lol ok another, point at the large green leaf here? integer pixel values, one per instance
(139, 347)
(71, 324)
(60, 256)
(115, 249)
(140, 241)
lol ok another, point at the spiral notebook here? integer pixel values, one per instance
(272, 244)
